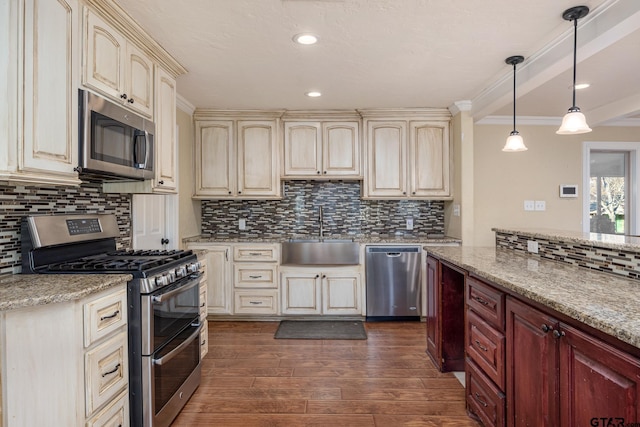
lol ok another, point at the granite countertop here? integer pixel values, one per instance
(612, 241)
(28, 290)
(390, 239)
(608, 303)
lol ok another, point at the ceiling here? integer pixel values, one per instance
(402, 53)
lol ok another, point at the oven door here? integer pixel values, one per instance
(168, 311)
(170, 376)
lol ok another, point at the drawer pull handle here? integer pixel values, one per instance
(202, 305)
(481, 301)
(482, 402)
(545, 328)
(111, 371)
(255, 253)
(111, 316)
(255, 302)
(203, 342)
(480, 346)
(255, 277)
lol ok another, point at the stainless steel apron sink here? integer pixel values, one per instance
(316, 251)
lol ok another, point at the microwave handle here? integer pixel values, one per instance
(137, 164)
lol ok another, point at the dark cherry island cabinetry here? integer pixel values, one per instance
(532, 356)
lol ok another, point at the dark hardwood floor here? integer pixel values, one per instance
(251, 379)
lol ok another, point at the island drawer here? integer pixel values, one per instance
(483, 398)
(487, 301)
(486, 347)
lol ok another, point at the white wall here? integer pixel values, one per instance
(504, 180)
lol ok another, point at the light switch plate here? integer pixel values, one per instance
(532, 246)
(409, 223)
(540, 205)
(529, 205)
(242, 224)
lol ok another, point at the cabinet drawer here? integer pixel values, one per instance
(204, 339)
(115, 414)
(486, 347)
(254, 302)
(483, 398)
(104, 315)
(486, 301)
(255, 275)
(106, 372)
(266, 253)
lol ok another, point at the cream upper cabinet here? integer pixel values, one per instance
(387, 159)
(38, 115)
(322, 149)
(237, 159)
(116, 67)
(166, 162)
(408, 157)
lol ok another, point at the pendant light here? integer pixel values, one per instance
(514, 141)
(574, 121)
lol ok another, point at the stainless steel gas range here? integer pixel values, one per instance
(163, 303)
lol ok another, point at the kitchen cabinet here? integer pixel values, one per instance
(445, 315)
(218, 260)
(204, 332)
(333, 291)
(576, 375)
(407, 157)
(116, 67)
(236, 158)
(323, 149)
(66, 364)
(256, 279)
(38, 83)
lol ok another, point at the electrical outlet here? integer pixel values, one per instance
(242, 224)
(456, 210)
(532, 246)
(540, 205)
(529, 205)
(409, 223)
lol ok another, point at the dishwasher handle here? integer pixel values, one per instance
(393, 254)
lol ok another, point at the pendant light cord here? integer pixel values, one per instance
(575, 46)
(514, 97)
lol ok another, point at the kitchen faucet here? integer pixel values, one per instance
(321, 222)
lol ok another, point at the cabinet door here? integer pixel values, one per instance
(429, 159)
(532, 367)
(596, 381)
(340, 149)
(50, 88)
(433, 296)
(341, 293)
(302, 149)
(387, 159)
(138, 80)
(300, 293)
(218, 279)
(104, 51)
(258, 173)
(214, 156)
(165, 137)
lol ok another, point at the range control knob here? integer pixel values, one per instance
(171, 276)
(181, 271)
(193, 267)
(161, 281)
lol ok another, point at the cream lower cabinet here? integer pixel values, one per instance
(38, 88)
(255, 279)
(407, 159)
(236, 158)
(204, 332)
(218, 261)
(334, 291)
(66, 364)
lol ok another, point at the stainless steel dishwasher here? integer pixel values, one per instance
(393, 282)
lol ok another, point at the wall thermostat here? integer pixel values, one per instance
(568, 190)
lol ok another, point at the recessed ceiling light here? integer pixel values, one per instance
(582, 86)
(305, 38)
(313, 94)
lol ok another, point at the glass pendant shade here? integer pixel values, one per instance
(573, 123)
(514, 143)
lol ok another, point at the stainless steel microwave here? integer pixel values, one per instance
(115, 144)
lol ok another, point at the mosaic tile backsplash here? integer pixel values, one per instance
(345, 213)
(615, 261)
(17, 201)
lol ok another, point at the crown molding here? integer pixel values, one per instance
(549, 121)
(460, 106)
(184, 105)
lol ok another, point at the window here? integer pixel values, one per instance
(610, 188)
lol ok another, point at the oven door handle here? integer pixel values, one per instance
(195, 278)
(164, 359)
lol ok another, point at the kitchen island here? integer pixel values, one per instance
(545, 342)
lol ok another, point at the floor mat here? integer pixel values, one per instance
(321, 330)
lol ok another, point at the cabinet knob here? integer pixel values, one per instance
(161, 182)
(229, 192)
(130, 100)
(404, 192)
(318, 172)
(164, 241)
(325, 172)
(413, 192)
(557, 333)
(545, 328)
(324, 276)
(123, 96)
(317, 275)
(239, 192)
(78, 169)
